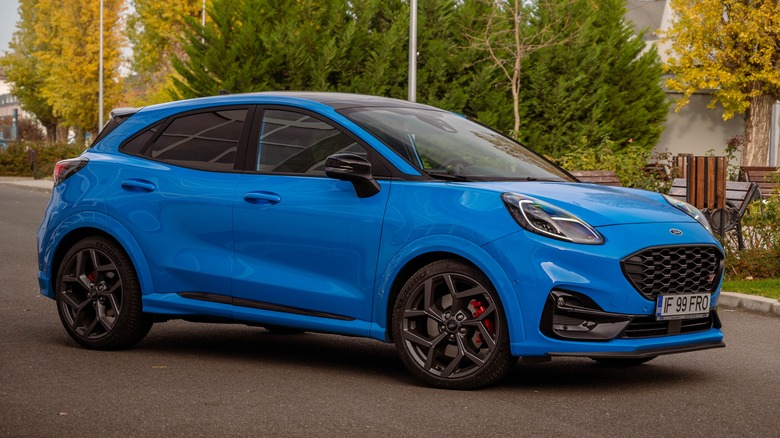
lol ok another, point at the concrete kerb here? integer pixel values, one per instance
(751, 303)
(729, 300)
(41, 185)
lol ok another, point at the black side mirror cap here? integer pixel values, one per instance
(355, 169)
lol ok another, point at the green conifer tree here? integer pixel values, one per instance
(334, 45)
(603, 87)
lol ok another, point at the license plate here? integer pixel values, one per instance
(682, 306)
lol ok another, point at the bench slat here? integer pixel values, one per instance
(601, 177)
(765, 177)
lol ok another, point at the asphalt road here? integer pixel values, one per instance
(196, 380)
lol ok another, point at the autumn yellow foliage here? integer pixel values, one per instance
(68, 43)
(730, 48)
(155, 29)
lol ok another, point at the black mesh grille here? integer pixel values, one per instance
(647, 326)
(674, 270)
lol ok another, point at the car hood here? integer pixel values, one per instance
(597, 205)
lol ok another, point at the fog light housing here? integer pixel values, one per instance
(568, 315)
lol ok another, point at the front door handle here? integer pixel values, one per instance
(138, 185)
(262, 198)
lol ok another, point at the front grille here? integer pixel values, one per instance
(674, 270)
(648, 327)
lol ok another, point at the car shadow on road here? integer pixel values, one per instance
(254, 344)
(367, 357)
(584, 374)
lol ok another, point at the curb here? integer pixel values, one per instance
(751, 303)
(38, 185)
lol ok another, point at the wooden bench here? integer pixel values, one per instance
(601, 177)
(738, 195)
(767, 178)
(680, 165)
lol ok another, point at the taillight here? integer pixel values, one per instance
(66, 168)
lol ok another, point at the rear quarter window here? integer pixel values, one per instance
(206, 140)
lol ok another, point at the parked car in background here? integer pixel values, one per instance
(375, 217)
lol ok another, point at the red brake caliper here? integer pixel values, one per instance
(479, 309)
(91, 277)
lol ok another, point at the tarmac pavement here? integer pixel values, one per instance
(728, 300)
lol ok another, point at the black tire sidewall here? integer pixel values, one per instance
(497, 366)
(131, 325)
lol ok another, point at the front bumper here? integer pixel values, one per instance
(611, 318)
(648, 353)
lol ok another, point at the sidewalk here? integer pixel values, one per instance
(728, 300)
(41, 185)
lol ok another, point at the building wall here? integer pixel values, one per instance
(7, 102)
(696, 129)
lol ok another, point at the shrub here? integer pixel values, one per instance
(630, 165)
(14, 159)
(761, 235)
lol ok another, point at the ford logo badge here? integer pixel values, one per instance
(676, 232)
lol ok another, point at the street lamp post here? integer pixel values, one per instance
(413, 51)
(100, 72)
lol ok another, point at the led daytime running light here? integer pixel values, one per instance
(547, 220)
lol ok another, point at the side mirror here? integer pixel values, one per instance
(353, 168)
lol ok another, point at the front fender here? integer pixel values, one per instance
(462, 248)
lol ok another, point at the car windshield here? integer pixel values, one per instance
(449, 146)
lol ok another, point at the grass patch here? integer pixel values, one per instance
(768, 287)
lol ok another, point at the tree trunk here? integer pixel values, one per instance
(51, 132)
(62, 133)
(757, 122)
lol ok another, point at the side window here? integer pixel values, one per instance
(292, 142)
(207, 140)
(136, 144)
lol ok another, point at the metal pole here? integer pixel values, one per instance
(15, 124)
(203, 15)
(413, 51)
(100, 73)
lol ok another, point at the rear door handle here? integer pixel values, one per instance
(138, 185)
(262, 198)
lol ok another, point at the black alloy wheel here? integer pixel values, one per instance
(98, 296)
(449, 327)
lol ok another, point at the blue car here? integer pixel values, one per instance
(375, 217)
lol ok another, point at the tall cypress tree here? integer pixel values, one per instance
(604, 84)
(450, 72)
(255, 45)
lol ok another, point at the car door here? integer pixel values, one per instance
(306, 244)
(175, 195)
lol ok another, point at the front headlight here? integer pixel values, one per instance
(690, 210)
(548, 220)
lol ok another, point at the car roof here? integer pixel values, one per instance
(337, 101)
(345, 100)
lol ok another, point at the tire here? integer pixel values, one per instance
(99, 297)
(449, 327)
(622, 362)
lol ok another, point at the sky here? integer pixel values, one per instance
(8, 16)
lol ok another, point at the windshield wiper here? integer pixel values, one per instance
(450, 176)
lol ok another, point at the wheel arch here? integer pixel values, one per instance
(68, 235)
(435, 248)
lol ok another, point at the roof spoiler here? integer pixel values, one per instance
(121, 114)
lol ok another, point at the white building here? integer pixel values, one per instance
(8, 104)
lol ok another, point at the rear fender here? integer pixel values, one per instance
(105, 224)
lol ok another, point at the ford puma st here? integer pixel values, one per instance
(368, 216)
